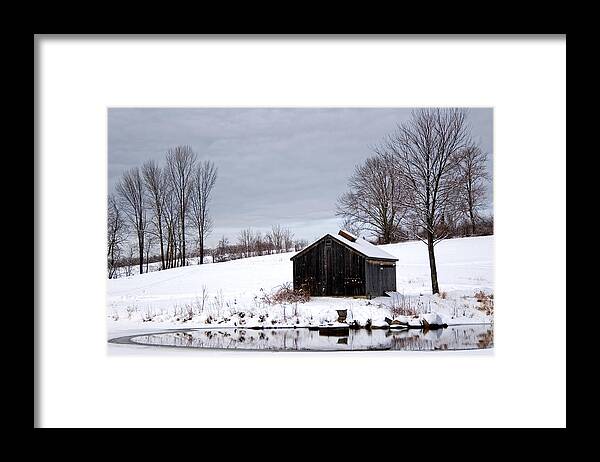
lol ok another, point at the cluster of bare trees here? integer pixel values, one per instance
(116, 235)
(425, 181)
(251, 243)
(373, 202)
(161, 206)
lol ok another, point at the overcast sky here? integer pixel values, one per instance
(285, 166)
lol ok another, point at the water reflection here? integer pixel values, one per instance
(451, 338)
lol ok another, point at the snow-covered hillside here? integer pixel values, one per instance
(230, 293)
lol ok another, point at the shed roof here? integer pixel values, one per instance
(361, 245)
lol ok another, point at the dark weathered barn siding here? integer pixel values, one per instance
(330, 268)
(380, 277)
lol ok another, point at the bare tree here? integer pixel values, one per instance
(259, 243)
(171, 219)
(116, 235)
(352, 226)
(246, 240)
(129, 261)
(287, 239)
(180, 167)
(131, 191)
(374, 200)
(275, 238)
(156, 187)
(269, 246)
(221, 249)
(472, 185)
(486, 225)
(299, 244)
(205, 176)
(427, 153)
(148, 244)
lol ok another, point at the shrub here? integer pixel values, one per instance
(286, 294)
(487, 305)
(130, 311)
(188, 313)
(149, 315)
(481, 296)
(487, 302)
(402, 306)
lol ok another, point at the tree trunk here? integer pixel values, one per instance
(112, 262)
(434, 280)
(160, 238)
(170, 247)
(202, 251)
(182, 238)
(141, 248)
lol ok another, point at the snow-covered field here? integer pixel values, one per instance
(229, 294)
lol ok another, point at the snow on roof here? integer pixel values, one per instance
(365, 247)
(361, 245)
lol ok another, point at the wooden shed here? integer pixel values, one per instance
(344, 265)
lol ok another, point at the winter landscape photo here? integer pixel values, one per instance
(299, 229)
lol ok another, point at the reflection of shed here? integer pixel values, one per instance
(343, 264)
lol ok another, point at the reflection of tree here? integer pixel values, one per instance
(486, 340)
(452, 338)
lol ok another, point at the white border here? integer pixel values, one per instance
(521, 384)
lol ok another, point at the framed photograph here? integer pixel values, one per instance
(245, 231)
(300, 229)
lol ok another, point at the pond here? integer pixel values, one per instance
(465, 337)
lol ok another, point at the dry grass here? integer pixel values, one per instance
(480, 296)
(285, 294)
(487, 302)
(402, 306)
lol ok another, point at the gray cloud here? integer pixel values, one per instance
(280, 165)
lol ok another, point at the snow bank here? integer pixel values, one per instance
(229, 294)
